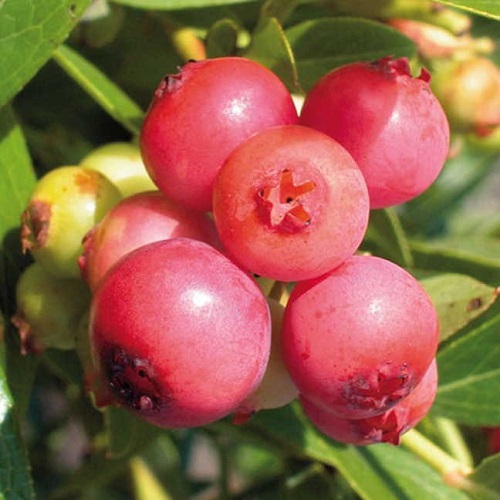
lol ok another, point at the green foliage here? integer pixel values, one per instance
(488, 8)
(320, 45)
(61, 96)
(15, 478)
(29, 32)
(110, 97)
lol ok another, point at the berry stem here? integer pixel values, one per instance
(454, 472)
(453, 441)
(279, 292)
(145, 482)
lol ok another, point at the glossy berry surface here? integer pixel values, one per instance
(389, 121)
(290, 204)
(200, 115)
(65, 203)
(360, 338)
(183, 341)
(136, 221)
(387, 427)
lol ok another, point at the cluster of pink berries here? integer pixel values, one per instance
(181, 330)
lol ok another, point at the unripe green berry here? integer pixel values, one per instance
(65, 204)
(121, 163)
(48, 309)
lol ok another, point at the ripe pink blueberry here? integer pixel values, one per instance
(180, 335)
(390, 122)
(200, 115)
(387, 427)
(360, 338)
(136, 221)
(290, 204)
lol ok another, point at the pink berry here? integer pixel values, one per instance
(290, 204)
(198, 116)
(180, 334)
(387, 427)
(360, 338)
(390, 122)
(136, 221)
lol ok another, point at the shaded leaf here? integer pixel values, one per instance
(476, 257)
(488, 8)
(127, 434)
(15, 474)
(178, 4)
(469, 372)
(29, 32)
(458, 299)
(17, 179)
(221, 39)
(270, 47)
(376, 471)
(484, 482)
(387, 238)
(321, 45)
(409, 476)
(106, 93)
(463, 174)
(281, 10)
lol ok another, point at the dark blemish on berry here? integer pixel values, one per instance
(35, 223)
(474, 304)
(131, 380)
(169, 84)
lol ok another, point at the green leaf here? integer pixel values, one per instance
(127, 434)
(464, 174)
(476, 257)
(321, 45)
(376, 471)
(29, 32)
(484, 482)
(387, 238)
(488, 8)
(178, 4)
(404, 472)
(106, 93)
(221, 39)
(15, 474)
(281, 10)
(17, 179)
(270, 47)
(469, 372)
(458, 299)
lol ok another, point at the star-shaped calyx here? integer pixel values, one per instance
(281, 205)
